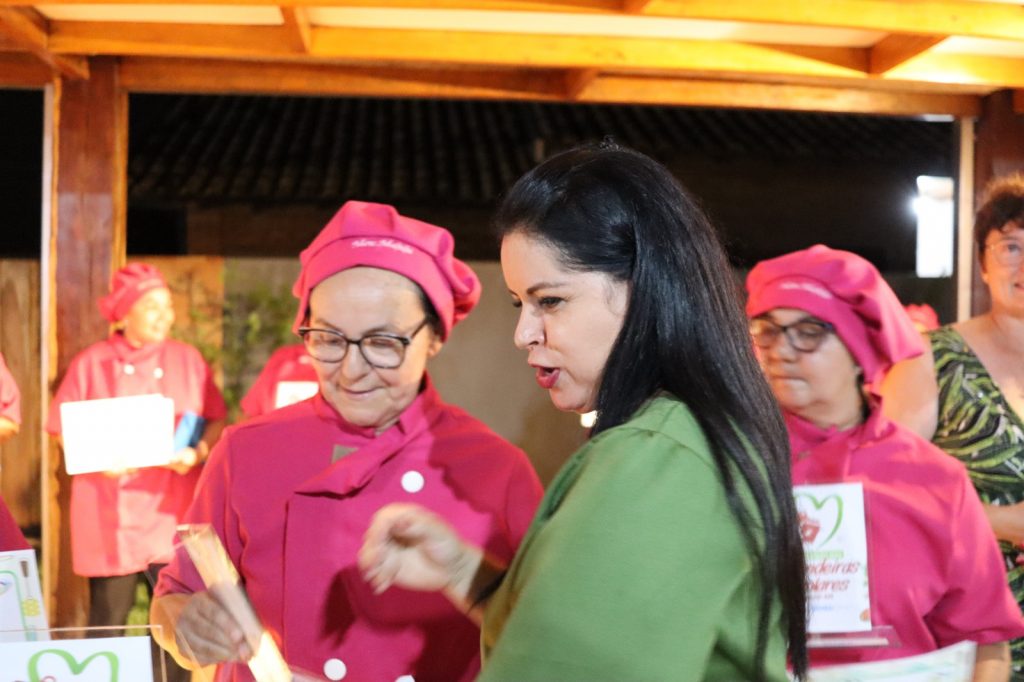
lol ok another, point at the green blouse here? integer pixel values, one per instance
(634, 568)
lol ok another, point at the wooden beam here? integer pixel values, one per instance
(895, 49)
(86, 242)
(965, 69)
(925, 17)
(214, 76)
(382, 46)
(692, 58)
(296, 24)
(710, 93)
(170, 40)
(577, 80)
(635, 6)
(574, 6)
(27, 28)
(22, 70)
(195, 75)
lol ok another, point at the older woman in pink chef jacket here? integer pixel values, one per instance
(291, 493)
(827, 328)
(123, 524)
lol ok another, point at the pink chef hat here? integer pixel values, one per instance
(126, 287)
(375, 235)
(844, 289)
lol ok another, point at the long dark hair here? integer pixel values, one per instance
(612, 210)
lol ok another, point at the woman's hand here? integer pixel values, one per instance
(188, 457)
(207, 633)
(1007, 522)
(409, 546)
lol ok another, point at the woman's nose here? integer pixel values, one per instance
(780, 349)
(353, 365)
(529, 330)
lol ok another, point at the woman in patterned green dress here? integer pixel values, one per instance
(967, 394)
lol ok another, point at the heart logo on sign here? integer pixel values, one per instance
(74, 666)
(822, 513)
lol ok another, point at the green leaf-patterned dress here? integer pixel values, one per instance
(977, 426)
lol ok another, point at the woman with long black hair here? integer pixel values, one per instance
(667, 547)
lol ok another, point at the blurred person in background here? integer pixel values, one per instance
(123, 524)
(286, 378)
(965, 393)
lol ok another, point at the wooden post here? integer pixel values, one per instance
(999, 150)
(85, 242)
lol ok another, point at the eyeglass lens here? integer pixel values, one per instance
(803, 335)
(1008, 253)
(384, 352)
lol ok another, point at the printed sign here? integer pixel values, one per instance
(112, 434)
(290, 392)
(106, 659)
(953, 664)
(835, 547)
(22, 616)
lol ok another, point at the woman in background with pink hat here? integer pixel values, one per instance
(827, 327)
(123, 523)
(290, 493)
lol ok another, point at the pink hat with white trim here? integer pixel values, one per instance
(375, 235)
(845, 290)
(126, 287)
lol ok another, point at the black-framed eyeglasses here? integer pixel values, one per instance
(381, 350)
(804, 335)
(1007, 252)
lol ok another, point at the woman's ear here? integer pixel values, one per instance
(436, 343)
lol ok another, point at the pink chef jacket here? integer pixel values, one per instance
(10, 398)
(291, 494)
(288, 363)
(121, 525)
(935, 573)
(10, 535)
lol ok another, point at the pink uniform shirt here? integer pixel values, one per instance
(934, 569)
(120, 525)
(10, 535)
(289, 363)
(10, 397)
(291, 494)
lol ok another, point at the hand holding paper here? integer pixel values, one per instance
(208, 632)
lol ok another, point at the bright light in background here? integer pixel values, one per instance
(934, 208)
(588, 419)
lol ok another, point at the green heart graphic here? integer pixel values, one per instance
(73, 664)
(820, 505)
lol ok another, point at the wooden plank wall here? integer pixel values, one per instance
(19, 342)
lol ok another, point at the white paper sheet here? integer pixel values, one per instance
(291, 392)
(124, 659)
(953, 664)
(113, 434)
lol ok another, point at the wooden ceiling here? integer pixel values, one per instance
(876, 56)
